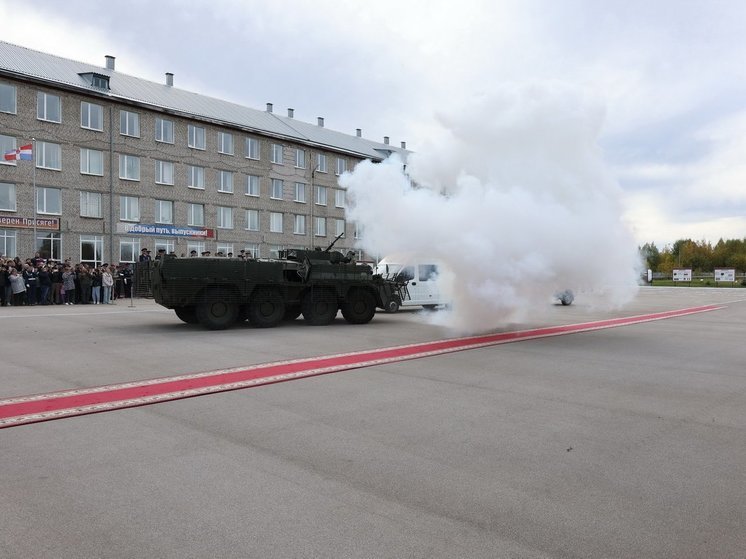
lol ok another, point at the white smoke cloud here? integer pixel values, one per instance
(513, 195)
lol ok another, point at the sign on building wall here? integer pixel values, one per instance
(725, 274)
(165, 230)
(42, 223)
(682, 274)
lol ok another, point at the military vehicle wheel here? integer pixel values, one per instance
(187, 314)
(319, 306)
(292, 312)
(266, 308)
(359, 307)
(216, 311)
(393, 305)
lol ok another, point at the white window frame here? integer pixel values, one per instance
(129, 123)
(164, 172)
(277, 154)
(7, 143)
(199, 246)
(196, 137)
(252, 220)
(129, 208)
(91, 204)
(97, 242)
(45, 104)
(12, 201)
(339, 227)
(129, 167)
(320, 195)
(169, 245)
(319, 227)
(8, 98)
(341, 166)
(275, 222)
(46, 153)
(251, 182)
(225, 181)
(300, 158)
(321, 163)
(225, 248)
(196, 177)
(43, 201)
(196, 215)
(300, 192)
(299, 224)
(251, 250)
(129, 249)
(9, 242)
(160, 214)
(225, 143)
(90, 112)
(339, 198)
(164, 130)
(278, 187)
(252, 149)
(224, 217)
(91, 162)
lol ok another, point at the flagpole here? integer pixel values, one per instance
(33, 164)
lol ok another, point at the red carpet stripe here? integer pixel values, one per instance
(43, 407)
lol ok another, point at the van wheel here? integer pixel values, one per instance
(360, 306)
(266, 308)
(393, 305)
(187, 314)
(217, 310)
(319, 306)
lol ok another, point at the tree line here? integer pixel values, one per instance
(700, 256)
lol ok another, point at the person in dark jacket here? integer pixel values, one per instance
(45, 285)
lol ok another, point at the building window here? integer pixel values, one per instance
(129, 167)
(225, 217)
(299, 227)
(300, 192)
(166, 244)
(164, 211)
(129, 249)
(196, 177)
(341, 165)
(164, 172)
(8, 243)
(277, 154)
(275, 222)
(252, 185)
(49, 245)
(252, 250)
(225, 143)
(277, 188)
(339, 198)
(129, 124)
(196, 137)
(320, 195)
(7, 101)
(225, 248)
(358, 232)
(252, 220)
(7, 198)
(339, 227)
(7, 143)
(48, 200)
(252, 148)
(91, 116)
(320, 228)
(300, 158)
(48, 107)
(90, 204)
(321, 163)
(164, 131)
(196, 215)
(129, 208)
(48, 156)
(92, 250)
(225, 181)
(91, 162)
(196, 246)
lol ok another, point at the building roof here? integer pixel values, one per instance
(22, 62)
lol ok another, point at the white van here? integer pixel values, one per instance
(428, 280)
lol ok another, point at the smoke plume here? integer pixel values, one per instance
(513, 195)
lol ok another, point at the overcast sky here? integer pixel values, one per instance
(670, 74)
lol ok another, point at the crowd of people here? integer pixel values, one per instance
(37, 281)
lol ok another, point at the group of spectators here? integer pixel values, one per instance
(37, 281)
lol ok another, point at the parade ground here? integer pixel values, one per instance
(125, 433)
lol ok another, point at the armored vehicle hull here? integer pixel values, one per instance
(219, 292)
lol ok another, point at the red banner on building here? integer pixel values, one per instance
(43, 223)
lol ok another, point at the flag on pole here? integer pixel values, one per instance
(24, 153)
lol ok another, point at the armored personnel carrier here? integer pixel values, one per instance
(218, 292)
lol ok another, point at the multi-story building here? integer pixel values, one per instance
(121, 163)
